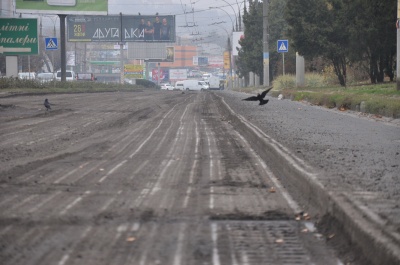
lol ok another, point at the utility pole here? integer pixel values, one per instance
(265, 43)
(63, 48)
(398, 46)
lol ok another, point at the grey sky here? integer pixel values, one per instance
(207, 20)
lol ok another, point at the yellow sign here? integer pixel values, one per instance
(133, 71)
(227, 60)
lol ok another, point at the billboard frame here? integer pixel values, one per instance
(63, 7)
(109, 28)
(19, 36)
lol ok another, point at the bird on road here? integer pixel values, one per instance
(47, 104)
(259, 97)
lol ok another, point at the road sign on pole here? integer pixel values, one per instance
(51, 44)
(283, 46)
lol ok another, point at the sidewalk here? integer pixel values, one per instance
(344, 164)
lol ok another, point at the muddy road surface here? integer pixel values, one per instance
(141, 178)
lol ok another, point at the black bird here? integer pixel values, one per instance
(47, 104)
(259, 97)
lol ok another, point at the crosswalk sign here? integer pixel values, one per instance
(51, 43)
(283, 45)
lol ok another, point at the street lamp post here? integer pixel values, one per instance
(236, 17)
(398, 47)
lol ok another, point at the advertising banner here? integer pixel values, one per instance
(162, 75)
(215, 61)
(133, 71)
(170, 54)
(227, 60)
(178, 74)
(200, 61)
(19, 36)
(236, 36)
(151, 29)
(66, 7)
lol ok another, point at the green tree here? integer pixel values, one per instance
(250, 56)
(373, 35)
(278, 29)
(319, 28)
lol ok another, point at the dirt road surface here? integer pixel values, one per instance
(141, 178)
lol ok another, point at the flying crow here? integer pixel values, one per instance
(47, 104)
(259, 97)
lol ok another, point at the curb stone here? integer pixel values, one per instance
(364, 228)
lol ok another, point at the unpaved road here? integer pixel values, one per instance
(141, 178)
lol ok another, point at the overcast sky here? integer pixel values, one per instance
(206, 19)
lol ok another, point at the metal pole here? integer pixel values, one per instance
(63, 48)
(265, 43)
(283, 62)
(158, 74)
(121, 54)
(398, 46)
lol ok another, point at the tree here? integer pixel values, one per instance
(373, 35)
(278, 29)
(250, 55)
(319, 28)
(344, 31)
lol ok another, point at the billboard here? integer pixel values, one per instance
(200, 61)
(162, 75)
(227, 60)
(133, 71)
(215, 61)
(178, 74)
(236, 36)
(19, 36)
(66, 7)
(149, 29)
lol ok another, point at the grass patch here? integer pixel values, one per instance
(381, 99)
(15, 85)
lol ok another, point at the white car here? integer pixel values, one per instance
(69, 75)
(167, 87)
(46, 77)
(27, 75)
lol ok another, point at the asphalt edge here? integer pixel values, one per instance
(367, 233)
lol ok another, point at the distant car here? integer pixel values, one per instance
(167, 87)
(85, 77)
(46, 77)
(193, 85)
(69, 75)
(27, 75)
(129, 81)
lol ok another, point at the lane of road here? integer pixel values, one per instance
(146, 178)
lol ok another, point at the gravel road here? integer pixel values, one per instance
(355, 155)
(107, 177)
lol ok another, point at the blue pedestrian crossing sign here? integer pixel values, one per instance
(283, 45)
(51, 43)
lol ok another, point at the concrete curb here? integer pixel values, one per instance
(363, 227)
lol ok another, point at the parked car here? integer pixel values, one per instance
(69, 75)
(85, 77)
(130, 81)
(46, 77)
(167, 87)
(27, 75)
